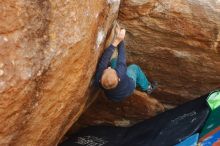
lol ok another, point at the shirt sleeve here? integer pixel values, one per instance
(121, 62)
(103, 63)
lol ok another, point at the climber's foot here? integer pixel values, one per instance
(152, 87)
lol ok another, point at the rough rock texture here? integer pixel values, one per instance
(176, 42)
(135, 108)
(49, 51)
(48, 54)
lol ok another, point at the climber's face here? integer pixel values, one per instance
(109, 78)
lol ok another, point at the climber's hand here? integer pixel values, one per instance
(117, 30)
(120, 36)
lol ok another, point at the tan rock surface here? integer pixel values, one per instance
(49, 50)
(48, 54)
(176, 43)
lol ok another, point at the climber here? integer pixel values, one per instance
(116, 79)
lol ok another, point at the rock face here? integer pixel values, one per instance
(48, 54)
(135, 108)
(176, 43)
(49, 51)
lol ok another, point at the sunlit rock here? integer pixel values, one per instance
(48, 54)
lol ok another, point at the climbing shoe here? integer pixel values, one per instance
(152, 87)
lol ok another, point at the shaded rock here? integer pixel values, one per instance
(48, 54)
(176, 43)
(135, 108)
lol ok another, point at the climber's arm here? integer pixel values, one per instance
(121, 53)
(103, 63)
(121, 62)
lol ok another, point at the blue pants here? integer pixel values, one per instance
(135, 72)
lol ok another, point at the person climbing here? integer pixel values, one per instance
(116, 79)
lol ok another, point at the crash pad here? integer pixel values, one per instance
(191, 141)
(212, 122)
(212, 139)
(166, 129)
(214, 99)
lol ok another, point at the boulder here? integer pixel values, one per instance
(49, 51)
(48, 55)
(176, 43)
(133, 109)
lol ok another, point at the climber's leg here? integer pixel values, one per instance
(135, 72)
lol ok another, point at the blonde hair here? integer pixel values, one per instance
(109, 79)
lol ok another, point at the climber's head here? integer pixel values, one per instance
(109, 78)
